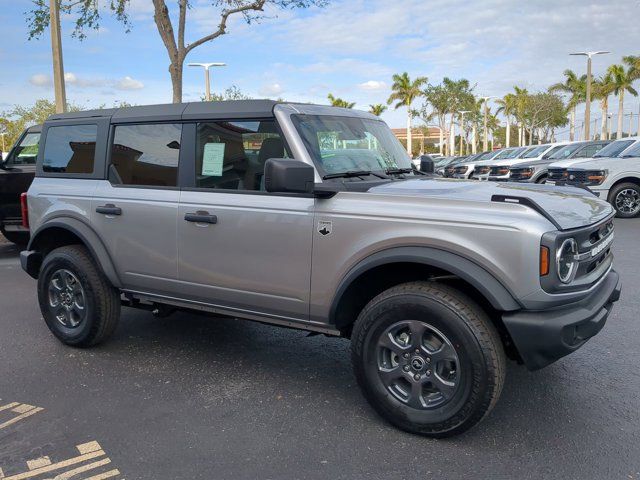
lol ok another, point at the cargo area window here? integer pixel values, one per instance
(231, 155)
(146, 155)
(70, 149)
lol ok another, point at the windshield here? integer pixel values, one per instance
(566, 151)
(633, 151)
(614, 149)
(535, 152)
(517, 153)
(488, 155)
(340, 144)
(26, 152)
(505, 153)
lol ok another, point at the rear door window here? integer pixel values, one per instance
(70, 149)
(146, 155)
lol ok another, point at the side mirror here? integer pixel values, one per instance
(426, 164)
(286, 175)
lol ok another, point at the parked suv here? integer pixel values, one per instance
(616, 179)
(311, 217)
(537, 170)
(501, 171)
(16, 175)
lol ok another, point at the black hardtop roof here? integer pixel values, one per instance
(177, 111)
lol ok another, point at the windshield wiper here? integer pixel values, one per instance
(398, 171)
(353, 173)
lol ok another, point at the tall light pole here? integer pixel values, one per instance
(587, 106)
(56, 51)
(462, 112)
(207, 78)
(485, 143)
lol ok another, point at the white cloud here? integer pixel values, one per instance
(41, 80)
(128, 83)
(373, 85)
(271, 90)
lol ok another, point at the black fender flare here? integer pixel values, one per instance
(487, 284)
(88, 236)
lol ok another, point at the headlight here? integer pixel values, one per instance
(502, 171)
(462, 170)
(483, 170)
(566, 263)
(524, 172)
(596, 177)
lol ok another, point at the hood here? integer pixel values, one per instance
(569, 207)
(575, 162)
(599, 163)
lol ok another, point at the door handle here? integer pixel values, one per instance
(201, 217)
(109, 209)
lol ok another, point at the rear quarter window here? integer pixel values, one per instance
(70, 149)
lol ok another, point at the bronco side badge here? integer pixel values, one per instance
(324, 227)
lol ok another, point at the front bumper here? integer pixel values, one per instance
(542, 337)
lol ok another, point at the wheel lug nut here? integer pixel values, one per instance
(417, 350)
(428, 359)
(416, 377)
(406, 355)
(406, 368)
(428, 372)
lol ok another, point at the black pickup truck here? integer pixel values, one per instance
(16, 174)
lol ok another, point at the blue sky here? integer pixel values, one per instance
(350, 48)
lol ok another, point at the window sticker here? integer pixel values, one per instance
(213, 159)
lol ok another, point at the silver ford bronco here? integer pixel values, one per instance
(311, 217)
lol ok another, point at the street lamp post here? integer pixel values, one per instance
(462, 112)
(587, 107)
(207, 78)
(485, 143)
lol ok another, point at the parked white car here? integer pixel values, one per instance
(558, 170)
(466, 169)
(482, 172)
(502, 171)
(615, 179)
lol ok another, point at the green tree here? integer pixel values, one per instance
(622, 80)
(602, 89)
(403, 92)
(508, 107)
(377, 109)
(576, 88)
(86, 15)
(230, 93)
(339, 102)
(436, 106)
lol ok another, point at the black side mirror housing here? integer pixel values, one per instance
(287, 175)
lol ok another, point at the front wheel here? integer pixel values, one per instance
(625, 198)
(428, 359)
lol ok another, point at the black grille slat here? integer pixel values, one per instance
(556, 173)
(577, 176)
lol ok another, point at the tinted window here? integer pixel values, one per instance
(614, 149)
(146, 155)
(70, 149)
(633, 151)
(26, 152)
(590, 150)
(231, 155)
(553, 151)
(566, 151)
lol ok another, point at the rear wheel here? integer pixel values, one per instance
(79, 305)
(625, 198)
(428, 359)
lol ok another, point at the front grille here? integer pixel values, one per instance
(575, 177)
(483, 170)
(448, 171)
(499, 171)
(557, 174)
(519, 174)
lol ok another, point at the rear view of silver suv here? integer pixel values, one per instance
(311, 217)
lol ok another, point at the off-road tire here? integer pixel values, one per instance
(102, 299)
(614, 193)
(475, 339)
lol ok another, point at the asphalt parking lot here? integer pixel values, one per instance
(190, 397)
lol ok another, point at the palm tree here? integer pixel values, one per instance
(508, 105)
(338, 102)
(404, 92)
(633, 61)
(576, 87)
(622, 80)
(603, 87)
(521, 99)
(377, 109)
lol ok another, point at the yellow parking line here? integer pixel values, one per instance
(28, 413)
(102, 476)
(7, 407)
(82, 469)
(56, 466)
